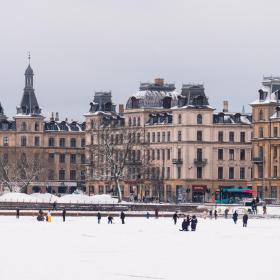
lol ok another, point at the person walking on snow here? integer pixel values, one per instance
(122, 217)
(98, 217)
(175, 218)
(210, 214)
(226, 213)
(215, 214)
(64, 214)
(193, 223)
(110, 219)
(156, 213)
(17, 213)
(245, 219)
(264, 209)
(148, 215)
(235, 217)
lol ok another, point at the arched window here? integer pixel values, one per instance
(129, 122)
(261, 115)
(138, 121)
(23, 126)
(134, 121)
(179, 119)
(199, 119)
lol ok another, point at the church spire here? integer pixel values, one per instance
(29, 104)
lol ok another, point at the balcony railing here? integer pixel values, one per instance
(257, 159)
(200, 161)
(177, 161)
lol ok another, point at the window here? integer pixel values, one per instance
(138, 121)
(51, 142)
(83, 175)
(275, 152)
(23, 126)
(51, 157)
(179, 136)
(261, 115)
(62, 142)
(153, 137)
(199, 154)
(167, 172)
(178, 172)
(72, 175)
(242, 154)
(231, 154)
(220, 173)
(220, 136)
(100, 189)
(5, 141)
(260, 132)
(62, 158)
(260, 170)
(158, 154)
(274, 171)
(273, 192)
(231, 173)
(50, 175)
(37, 127)
(158, 137)
(73, 143)
(231, 136)
(220, 154)
(168, 154)
(199, 135)
(73, 158)
(242, 137)
(23, 141)
(168, 136)
(179, 154)
(199, 172)
(83, 159)
(61, 175)
(199, 119)
(179, 119)
(37, 141)
(260, 192)
(242, 173)
(153, 154)
(129, 122)
(148, 137)
(163, 155)
(163, 137)
(275, 131)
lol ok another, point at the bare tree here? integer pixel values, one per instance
(118, 153)
(18, 171)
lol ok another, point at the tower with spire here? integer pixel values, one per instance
(2, 115)
(29, 105)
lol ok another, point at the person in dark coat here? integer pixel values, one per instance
(245, 220)
(253, 205)
(186, 223)
(110, 219)
(98, 217)
(64, 214)
(175, 218)
(17, 214)
(264, 209)
(226, 213)
(156, 213)
(193, 223)
(235, 217)
(122, 217)
(210, 214)
(54, 206)
(215, 214)
(148, 215)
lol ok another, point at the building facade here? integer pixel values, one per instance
(266, 141)
(57, 146)
(196, 152)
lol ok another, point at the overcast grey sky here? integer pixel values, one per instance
(82, 46)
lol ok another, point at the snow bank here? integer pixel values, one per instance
(82, 198)
(17, 197)
(45, 197)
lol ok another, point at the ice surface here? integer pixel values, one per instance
(140, 249)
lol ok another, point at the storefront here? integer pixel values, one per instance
(233, 194)
(198, 193)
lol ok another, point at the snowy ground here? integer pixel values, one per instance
(140, 249)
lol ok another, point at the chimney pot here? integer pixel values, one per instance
(225, 106)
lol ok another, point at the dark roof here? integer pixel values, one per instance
(102, 102)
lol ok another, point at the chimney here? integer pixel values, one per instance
(225, 106)
(159, 82)
(121, 108)
(56, 117)
(52, 117)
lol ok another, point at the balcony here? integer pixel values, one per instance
(200, 161)
(177, 161)
(257, 160)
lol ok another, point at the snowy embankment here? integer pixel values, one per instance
(140, 249)
(49, 198)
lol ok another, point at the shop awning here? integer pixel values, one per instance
(235, 190)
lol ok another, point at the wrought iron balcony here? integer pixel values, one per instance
(177, 161)
(200, 161)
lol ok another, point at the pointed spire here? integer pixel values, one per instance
(2, 115)
(243, 109)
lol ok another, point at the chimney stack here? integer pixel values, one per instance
(121, 108)
(225, 106)
(56, 117)
(52, 117)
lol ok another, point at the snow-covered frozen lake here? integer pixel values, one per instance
(140, 249)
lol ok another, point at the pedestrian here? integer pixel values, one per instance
(98, 217)
(235, 217)
(253, 205)
(156, 213)
(64, 214)
(193, 223)
(49, 217)
(184, 225)
(175, 218)
(210, 213)
(54, 206)
(245, 219)
(110, 219)
(215, 214)
(122, 217)
(264, 209)
(17, 213)
(226, 213)
(148, 215)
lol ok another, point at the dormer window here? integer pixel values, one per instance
(261, 94)
(166, 102)
(221, 118)
(278, 112)
(237, 118)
